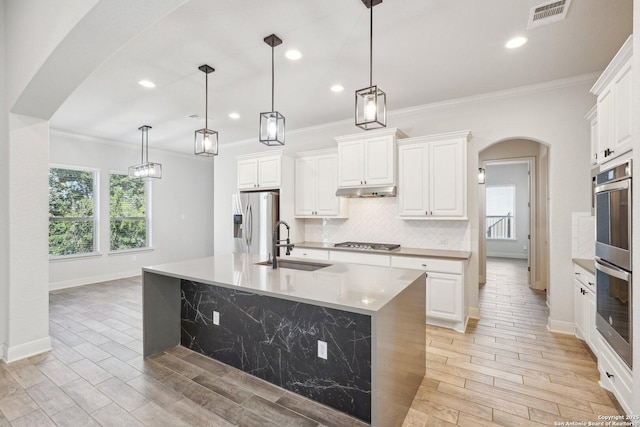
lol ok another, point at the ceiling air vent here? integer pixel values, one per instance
(547, 13)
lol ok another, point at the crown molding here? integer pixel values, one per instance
(112, 142)
(583, 79)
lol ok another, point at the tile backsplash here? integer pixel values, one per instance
(583, 239)
(376, 220)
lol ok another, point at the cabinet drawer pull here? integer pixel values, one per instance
(424, 265)
(609, 375)
(576, 273)
(591, 284)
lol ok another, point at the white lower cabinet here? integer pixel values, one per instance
(585, 308)
(615, 376)
(314, 254)
(445, 289)
(381, 260)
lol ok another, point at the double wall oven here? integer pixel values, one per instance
(614, 282)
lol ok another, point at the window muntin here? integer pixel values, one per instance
(128, 213)
(72, 211)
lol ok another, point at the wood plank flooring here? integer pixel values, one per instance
(506, 370)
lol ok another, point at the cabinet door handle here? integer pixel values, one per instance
(609, 375)
(426, 274)
(591, 284)
(365, 181)
(424, 265)
(576, 273)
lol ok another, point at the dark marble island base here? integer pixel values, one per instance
(276, 340)
(270, 322)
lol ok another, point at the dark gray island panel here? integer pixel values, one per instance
(160, 308)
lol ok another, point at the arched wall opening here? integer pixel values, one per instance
(535, 155)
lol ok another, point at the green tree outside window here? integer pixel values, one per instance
(71, 212)
(127, 212)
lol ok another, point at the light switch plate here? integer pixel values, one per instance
(216, 318)
(322, 349)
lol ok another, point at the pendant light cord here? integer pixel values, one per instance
(145, 136)
(272, 77)
(206, 102)
(371, 46)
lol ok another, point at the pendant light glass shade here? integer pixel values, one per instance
(145, 169)
(206, 140)
(371, 102)
(272, 122)
(371, 108)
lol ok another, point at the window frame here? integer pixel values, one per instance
(513, 237)
(148, 217)
(96, 212)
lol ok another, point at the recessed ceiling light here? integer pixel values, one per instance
(147, 83)
(337, 88)
(515, 42)
(293, 54)
(234, 115)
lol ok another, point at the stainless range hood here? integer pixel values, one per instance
(389, 191)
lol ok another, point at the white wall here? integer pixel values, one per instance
(182, 203)
(552, 114)
(517, 175)
(4, 197)
(33, 32)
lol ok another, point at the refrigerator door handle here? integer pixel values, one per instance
(246, 227)
(250, 220)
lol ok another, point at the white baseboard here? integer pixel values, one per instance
(29, 349)
(53, 286)
(506, 255)
(474, 313)
(559, 327)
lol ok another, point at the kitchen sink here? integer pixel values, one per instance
(297, 265)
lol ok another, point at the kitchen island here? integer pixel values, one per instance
(272, 323)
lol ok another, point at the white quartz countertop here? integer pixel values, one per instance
(412, 252)
(351, 287)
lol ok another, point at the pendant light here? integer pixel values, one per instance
(206, 140)
(145, 169)
(371, 102)
(272, 122)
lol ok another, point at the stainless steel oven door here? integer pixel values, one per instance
(613, 307)
(613, 222)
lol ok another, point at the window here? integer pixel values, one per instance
(500, 216)
(72, 211)
(128, 212)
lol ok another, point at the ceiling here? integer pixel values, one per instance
(424, 51)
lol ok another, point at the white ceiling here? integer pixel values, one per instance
(424, 51)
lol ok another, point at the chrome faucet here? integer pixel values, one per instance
(276, 243)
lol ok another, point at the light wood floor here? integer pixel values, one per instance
(506, 370)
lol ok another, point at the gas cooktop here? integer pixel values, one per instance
(368, 246)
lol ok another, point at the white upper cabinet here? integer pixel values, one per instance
(433, 176)
(260, 173)
(368, 159)
(316, 181)
(613, 90)
(592, 117)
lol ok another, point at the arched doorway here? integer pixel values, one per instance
(516, 177)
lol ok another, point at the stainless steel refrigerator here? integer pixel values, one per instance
(254, 216)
